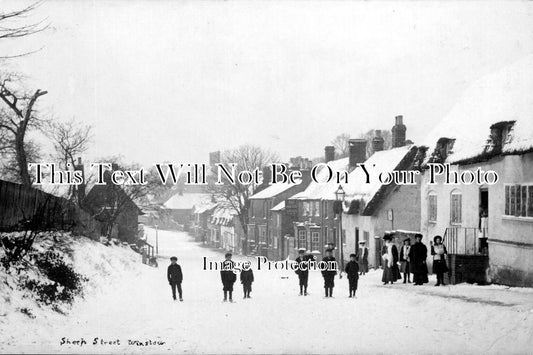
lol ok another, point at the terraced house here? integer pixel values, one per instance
(487, 228)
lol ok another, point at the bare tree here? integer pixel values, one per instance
(385, 134)
(341, 145)
(16, 119)
(12, 28)
(70, 140)
(237, 196)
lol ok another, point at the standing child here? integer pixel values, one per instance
(352, 271)
(175, 277)
(247, 277)
(302, 271)
(329, 273)
(228, 277)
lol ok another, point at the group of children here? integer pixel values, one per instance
(411, 259)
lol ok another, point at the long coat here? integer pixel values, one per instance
(247, 277)
(227, 275)
(418, 255)
(174, 274)
(352, 270)
(329, 275)
(391, 273)
(363, 259)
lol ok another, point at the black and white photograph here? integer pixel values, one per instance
(266, 177)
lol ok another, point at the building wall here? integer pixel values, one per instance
(510, 238)
(405, 204)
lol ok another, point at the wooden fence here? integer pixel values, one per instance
(19, 203)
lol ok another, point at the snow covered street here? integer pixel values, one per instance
(134, 303)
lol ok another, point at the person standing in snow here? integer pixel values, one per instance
(352, 272)
(175, 277)
(329, 273)
(228, 277)
(391, 272)
(417, 255)
(302, 271)
(438, 250)
(363, 258)
(405, 261)
(247, 277)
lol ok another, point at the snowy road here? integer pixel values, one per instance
(398, 319)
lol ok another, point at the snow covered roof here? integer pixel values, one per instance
(317, 191)
(501, 96)
(280, 206)
(272, 191)
(187, 200)
(222, 215)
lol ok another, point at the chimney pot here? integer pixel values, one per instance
(378, 142)
(398, 133)
(329, 153)
(357, 151)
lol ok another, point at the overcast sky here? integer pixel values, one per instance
(164, 80)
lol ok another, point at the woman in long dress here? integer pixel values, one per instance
(438, 250)
(391, 272)
(418, 254)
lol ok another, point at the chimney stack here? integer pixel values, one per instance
(398, 133)
(357, 151)
(377, 142)
(329, 153)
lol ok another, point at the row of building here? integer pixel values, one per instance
(487, 228)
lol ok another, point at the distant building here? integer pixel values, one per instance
(371, 209)
(179, 206)
(261, 226)
(487, 228)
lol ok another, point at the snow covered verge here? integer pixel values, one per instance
(57, 274)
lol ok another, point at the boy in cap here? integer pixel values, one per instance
(303, 275)
(247, 277)
(352, 271)
(175, 277)
(228, 277)
(329, 273)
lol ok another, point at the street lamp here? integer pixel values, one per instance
(339, 194)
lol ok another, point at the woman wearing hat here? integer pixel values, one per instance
(363, 258)
(405, 261)
(391, 272)
(438, 250)
(418, 254)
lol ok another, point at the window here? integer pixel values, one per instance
(316, 208)
(456, 207)
(326, 235)
(262, 235)
(275, 244)
(366, 237)
(301, 238)
(325, 209)
(343, 236)
(315, 240)
(265, 209)
(519, 200)
(432, 207)
(306, 209)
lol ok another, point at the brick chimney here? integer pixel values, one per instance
(398, 133)
(377, 142)
(357, 151)
(329, 153)
(80, 189)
